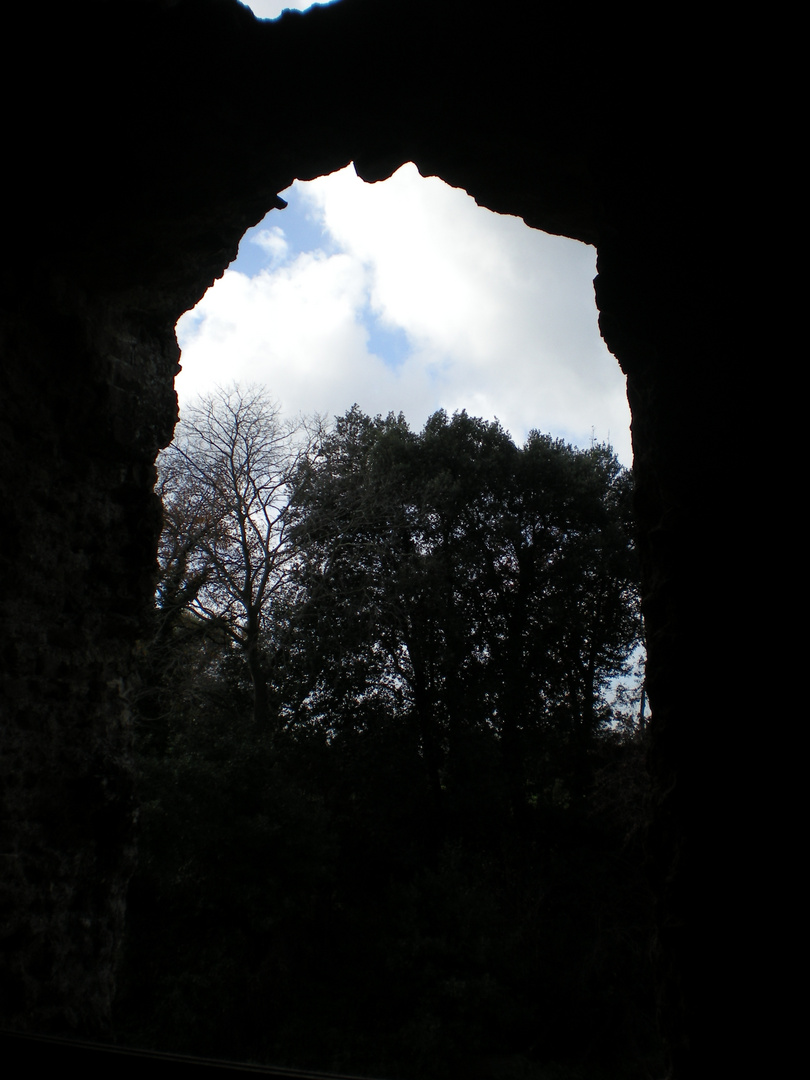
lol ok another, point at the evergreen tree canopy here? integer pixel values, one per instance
(463, 584)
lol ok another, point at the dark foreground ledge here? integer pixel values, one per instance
(25, 1055)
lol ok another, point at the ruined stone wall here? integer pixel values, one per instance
(78, 426)
(171, 126)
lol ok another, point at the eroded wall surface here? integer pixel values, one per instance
(169, 129)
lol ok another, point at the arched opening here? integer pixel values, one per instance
(411, 877)
(406, 296)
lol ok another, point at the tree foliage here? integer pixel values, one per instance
(465, 585)
(427, 863)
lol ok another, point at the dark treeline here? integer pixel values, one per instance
(392, 791)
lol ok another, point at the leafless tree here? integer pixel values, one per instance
(227, 538)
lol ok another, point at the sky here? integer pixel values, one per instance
(406, 296)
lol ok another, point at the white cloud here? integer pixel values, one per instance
(271, 9)
(273, 242)
(500, 319)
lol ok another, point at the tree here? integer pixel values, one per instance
(226, 545)
(439, 833)
(469, 586)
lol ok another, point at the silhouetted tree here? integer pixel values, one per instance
(431, 863)
(464, 584)
(226, 544)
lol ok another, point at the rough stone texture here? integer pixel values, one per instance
(170, 126)
(79, 424)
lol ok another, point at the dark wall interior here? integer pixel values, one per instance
(166, 129)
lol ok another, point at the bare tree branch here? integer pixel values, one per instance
(227, 542)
